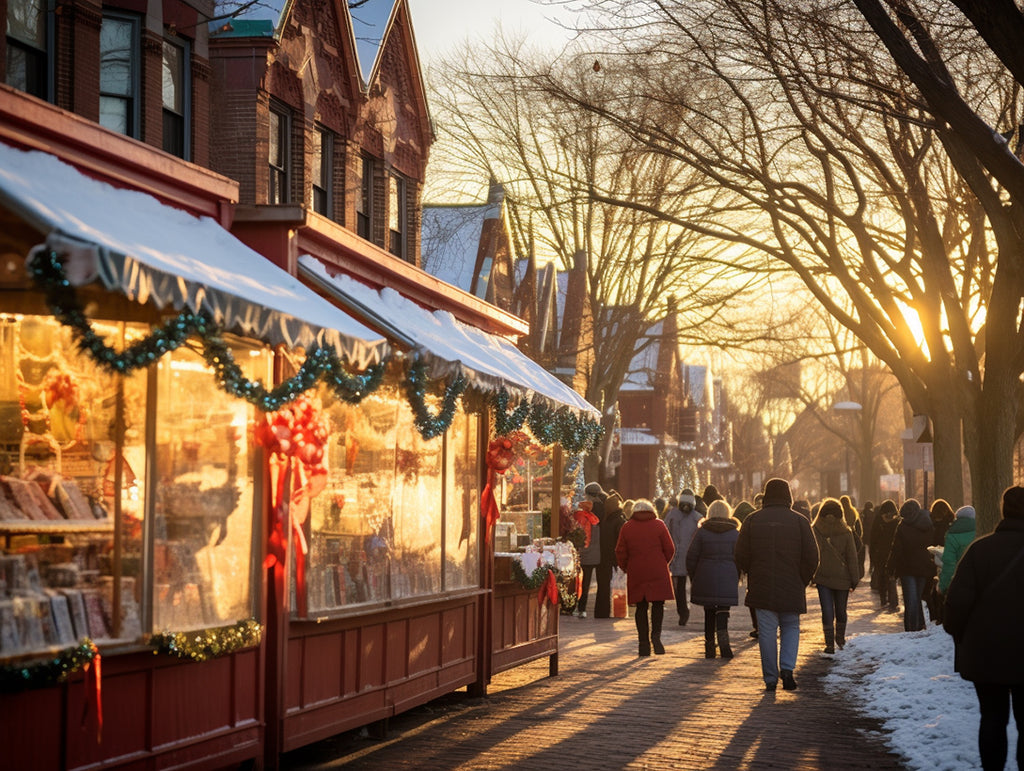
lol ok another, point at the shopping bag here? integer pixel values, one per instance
(620, 608)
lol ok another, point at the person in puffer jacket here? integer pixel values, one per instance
(911, 562)
(958, 538)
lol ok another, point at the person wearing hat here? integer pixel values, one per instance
(883, 530)
(590, 558)
(611, 522)
(643, 551)
(958, 537)
(777, 551)
(838, 570)
(911, 562)
(682, 520)
(984, 613)
(711, 563)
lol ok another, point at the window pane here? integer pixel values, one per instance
(416, 564)
(276, 150)
(61, 421)
(26, 21)
(173, 78)
(114, 113)
(394, 203)
(116, 60)
(203, 519)
(317, 161)
(462, 503)
(26, 69)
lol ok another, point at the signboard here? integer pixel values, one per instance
(918, 456)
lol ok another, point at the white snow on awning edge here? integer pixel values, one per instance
(447, 346)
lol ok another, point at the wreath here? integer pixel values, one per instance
(540, 578)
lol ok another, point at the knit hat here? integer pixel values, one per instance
(711, 494)
(719, 510)
(776, 492)
(642, 504)
(830, 507)
(687, 497)
(1013, 502)
(593, 489)
(965, 511)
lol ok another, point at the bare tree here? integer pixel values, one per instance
(556, 161)
(838, 170)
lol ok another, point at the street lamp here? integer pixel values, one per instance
(849, 408)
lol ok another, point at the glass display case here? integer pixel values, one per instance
(86, 550)
(398, 517)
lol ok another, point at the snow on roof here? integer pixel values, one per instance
(157, 254)
(450, 242)
(642, 369)
(637, 436)
(448, 346)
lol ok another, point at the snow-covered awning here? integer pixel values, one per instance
(447, 346)
(155, 253)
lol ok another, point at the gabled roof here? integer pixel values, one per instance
(371, 21)
(642, 369)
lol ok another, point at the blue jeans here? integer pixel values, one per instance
(913, 611)
(833, 607)
(778, 637)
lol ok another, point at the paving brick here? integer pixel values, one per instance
(609, 709)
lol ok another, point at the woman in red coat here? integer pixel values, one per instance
(644, 551)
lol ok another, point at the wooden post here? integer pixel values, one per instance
(556, 490)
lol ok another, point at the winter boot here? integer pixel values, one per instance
(788, 683)
(657, 616)
(840, 634)
(643, 629)
(709, 633)
(722, 629)
(830, 642)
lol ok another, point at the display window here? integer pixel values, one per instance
(87, 549)
(397, 518)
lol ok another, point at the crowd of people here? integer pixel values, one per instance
(698, 550)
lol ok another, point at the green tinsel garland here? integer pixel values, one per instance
(205, 644)
(576, 434)
(41, 674)
(506, 422)
(429, 425)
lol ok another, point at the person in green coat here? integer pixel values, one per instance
(958, 538)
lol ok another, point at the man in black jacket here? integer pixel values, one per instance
(777, 551)
(985, 614)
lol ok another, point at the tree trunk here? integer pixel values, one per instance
(989, 445)
(946, 450)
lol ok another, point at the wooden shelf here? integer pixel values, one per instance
(54, 526)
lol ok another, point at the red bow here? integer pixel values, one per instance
(549, 589)
(499, 458)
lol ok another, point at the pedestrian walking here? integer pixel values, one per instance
(959, 536)
(985, 615)
(883, 530)
(838, 570)
(711, 564)
(911, 562)
(777, 551)
(682, 520)
(590, 552)
(611, 523)
(643, 551)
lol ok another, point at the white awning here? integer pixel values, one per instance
(155, 253)
(446, 345)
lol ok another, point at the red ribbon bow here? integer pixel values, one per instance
(499, 458)
(549, 589)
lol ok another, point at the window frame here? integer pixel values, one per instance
(364, 202)
(279, 175)
(397, 219)
(321, 197)
(182, 119)
(132, 117)
(45, 58)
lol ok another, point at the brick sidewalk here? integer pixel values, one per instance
(608, 709)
